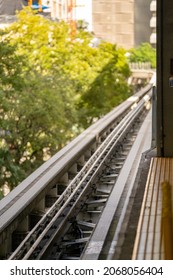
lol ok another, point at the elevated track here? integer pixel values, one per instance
(74, 200)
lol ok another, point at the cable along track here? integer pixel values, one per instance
(64, 230)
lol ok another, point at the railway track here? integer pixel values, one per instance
(65, 231)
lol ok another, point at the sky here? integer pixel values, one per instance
(83, 11)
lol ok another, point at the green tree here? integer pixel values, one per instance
(96, 72)
(51, 87)
(144, 53)
(10, 84)
(36, 116)
(109, 88)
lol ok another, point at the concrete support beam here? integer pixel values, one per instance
(40, 207)
(24, 225)
(5, 248)
(53, 192)
(64, 179)
(81, 160)
(87, 154)
(73, 169)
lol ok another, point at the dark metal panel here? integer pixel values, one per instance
(159, 138)
(165, 91)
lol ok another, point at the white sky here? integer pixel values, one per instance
(84, 11)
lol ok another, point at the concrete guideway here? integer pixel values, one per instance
(31, 195)
(97, 244)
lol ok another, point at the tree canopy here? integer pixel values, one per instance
(51, 87)
(143, 53)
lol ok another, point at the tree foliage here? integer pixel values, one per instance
(144, 53)
(51, 87)
(109, 88)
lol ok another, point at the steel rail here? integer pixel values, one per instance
(22, 200)
(76, 186)
(86, 138)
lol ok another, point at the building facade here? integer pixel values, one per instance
(9, 7)
(153, 25)
(124, 22)
(113, 20)
(142, 17)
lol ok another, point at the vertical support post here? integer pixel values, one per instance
(164, 87)
(62, 183)
(81, 160)
(40, 206)
(53, 192)
(40, 5)
(73, 169)
(64, 179)
(20, 233)
(29, 2)
(154, 104)
(5, 248)
(24, 225)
